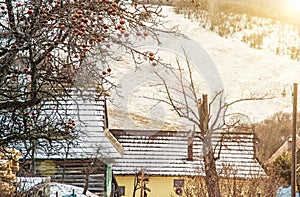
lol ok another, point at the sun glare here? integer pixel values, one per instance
(294, 5)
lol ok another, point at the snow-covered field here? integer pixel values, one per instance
(244, 71)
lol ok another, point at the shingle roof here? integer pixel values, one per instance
(165, 153)
(90, 119)
(88, 112)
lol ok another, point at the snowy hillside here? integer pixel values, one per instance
(244, 71)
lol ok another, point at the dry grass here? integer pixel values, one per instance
(263, 8)
(242, 8)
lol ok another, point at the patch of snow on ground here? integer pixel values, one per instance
(56, 189)
(64, 190)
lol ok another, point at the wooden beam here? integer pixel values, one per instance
(114, 142)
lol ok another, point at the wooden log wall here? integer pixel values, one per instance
(74, 172)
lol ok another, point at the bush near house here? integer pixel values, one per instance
(234, 186)
(9, 166)
(282, 167)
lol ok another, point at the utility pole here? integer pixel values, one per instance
(294, 158)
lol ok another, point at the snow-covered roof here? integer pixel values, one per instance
(166, 153)
(87, 110)
(89, 115)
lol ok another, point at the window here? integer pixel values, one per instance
(122, 190)
(178, 183)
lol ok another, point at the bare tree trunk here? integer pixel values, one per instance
(86, 184)
(211, 174)
(142, 184)
(135, 184)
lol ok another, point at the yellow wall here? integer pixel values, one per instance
(160, 186)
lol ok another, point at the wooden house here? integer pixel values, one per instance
(286, 147)
(86, 163)
(166, 158)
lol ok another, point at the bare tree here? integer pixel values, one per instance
(140, 183)
(49, 51)
(181, 93)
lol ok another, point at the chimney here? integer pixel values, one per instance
(289, 148)
(190, 146)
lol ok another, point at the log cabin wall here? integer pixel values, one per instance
(74, 172)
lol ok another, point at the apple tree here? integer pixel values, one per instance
(48, 49)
